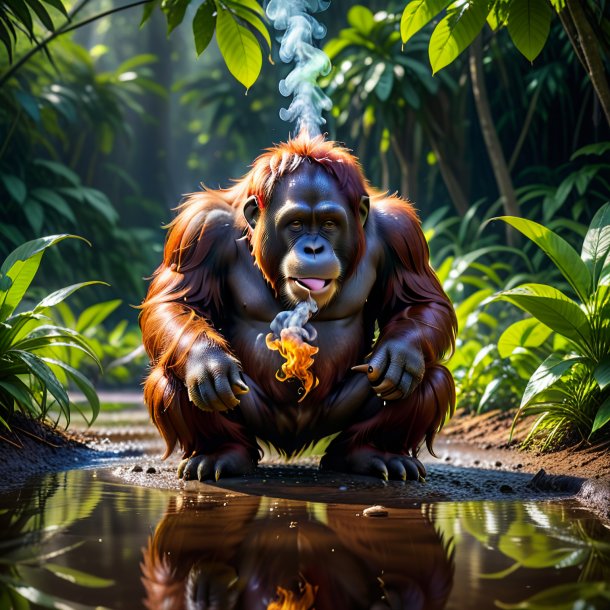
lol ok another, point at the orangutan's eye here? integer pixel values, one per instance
(329, 224)
(296, 225)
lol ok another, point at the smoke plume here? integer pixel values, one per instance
(295, 17)
(290, 336)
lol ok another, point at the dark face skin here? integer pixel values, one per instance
(311, 235)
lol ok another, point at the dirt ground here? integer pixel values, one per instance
(474, 461)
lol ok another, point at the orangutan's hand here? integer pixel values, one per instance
(213, 378)
(395, 368)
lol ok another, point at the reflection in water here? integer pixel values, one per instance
(74, 540)
(257, 553)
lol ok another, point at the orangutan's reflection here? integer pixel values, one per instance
(261, 554)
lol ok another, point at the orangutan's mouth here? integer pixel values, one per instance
(313, 284)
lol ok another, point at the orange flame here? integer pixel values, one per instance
(298, 356)
(287, 600)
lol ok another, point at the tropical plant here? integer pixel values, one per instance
(118, 347)
(33, 376)
(528, 23)
(238, 25)
(570, 391)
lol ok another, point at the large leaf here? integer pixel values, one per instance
(463, 22)
(602, 373)
(253, 20)
(204, 24)
(15, 187)
(596, 245)
(523, 333)
(239, 48)
(417, 14)
(84, 385)
(566, 259)
(18, 280)
(82, 579)
(361, 18)
(41, 370)
(603, 416)
(552, 308)
(59, 295)
(529, 23)
(174, 11)
(96, 314)
(546, 375)
(31, 248)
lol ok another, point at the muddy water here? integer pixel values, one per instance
(84, 539)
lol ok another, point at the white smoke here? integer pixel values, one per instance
(293, 324)
(295, 17)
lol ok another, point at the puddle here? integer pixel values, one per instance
(80, 539)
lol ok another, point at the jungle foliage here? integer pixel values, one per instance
(473, 109)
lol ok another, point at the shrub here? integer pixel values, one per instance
(570, 389)
(33, 376)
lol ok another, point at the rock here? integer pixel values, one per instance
(137, 468)
(151, 470)
(498, 464)
(506, 489)
(375, 511)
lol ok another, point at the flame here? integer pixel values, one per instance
(298, 356)
(287, 600)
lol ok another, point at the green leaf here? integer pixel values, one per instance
(84, 385)
(361, 18)
(253, 20)
(551, 307)
(174, 11)
(18, 390)
(464, 20)
(15, 186)
(204, 23)
(42, 371)
(602, 417)
(529, 23)
(148, 11)
(77, 577)
(34, 213)
(54, 200)
(30, 248)
(42, 14)
(95, 315)
(59, 295)
(239, 48)
(599, 148)
(596, 245)
(334, 46)
(546, 375)
(101, 203)
(59, 170)
(419, 13)
(385, 83)
(558, 250)
(602, 373)
(5, 37)
(58, 4)
(252, 5)
(524, 333)
(21, 275)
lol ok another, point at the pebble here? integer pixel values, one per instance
(375, 511)
(151, 470)
(498, 464)
(506, 489)
(137, 468)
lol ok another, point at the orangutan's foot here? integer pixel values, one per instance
(228, 461)
(370, 461)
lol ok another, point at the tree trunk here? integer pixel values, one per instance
(452, 184)
(492, 142)
(589, 47)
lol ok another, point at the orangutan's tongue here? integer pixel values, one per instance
(312, 283)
